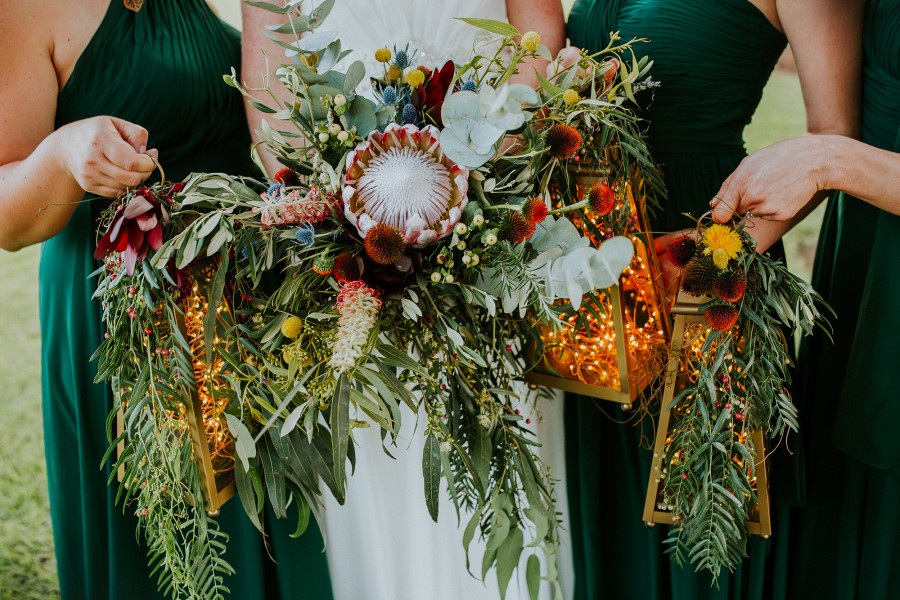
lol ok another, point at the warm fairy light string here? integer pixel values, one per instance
(695, 336)
(209, 383)
(589, 355)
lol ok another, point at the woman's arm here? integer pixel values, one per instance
(774, 182)
(43, 173)
(545, 17)
(259, 57)
(826, 39)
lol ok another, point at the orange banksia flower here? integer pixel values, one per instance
(563, 140)
(287, 177)
(515, 228)
(681, 250)
(534, 210)
(345, 268)
(601, 199)
(698, 276)
(721, 317)
(730, 286)
(385, 244)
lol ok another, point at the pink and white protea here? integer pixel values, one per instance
(401, 178)
(295, 207)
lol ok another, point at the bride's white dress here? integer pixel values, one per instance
(381, 543)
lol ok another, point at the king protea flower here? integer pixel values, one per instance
(401, 178)
(136, 228)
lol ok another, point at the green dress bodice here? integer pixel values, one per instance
(711, 59)
(161, 68)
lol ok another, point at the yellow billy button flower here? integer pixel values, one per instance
(531, 41)
(723, 243)
(292, 327)
(571, 97)
(382, 55)
(415, 78)
(310, 60)
(394, 73)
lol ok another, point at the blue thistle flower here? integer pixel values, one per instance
(274, 189)
(389, 94)
(470, 86)
(244, 254)
(401, 59)
(409, 114)
(304, 235)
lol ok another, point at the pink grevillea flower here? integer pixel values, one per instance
(295, 207)
(137, 227)
(401, 178)
(359, 305)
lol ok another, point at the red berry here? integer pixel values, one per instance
(165, 352)
(528, 421)
(148, 331)
(132, 291)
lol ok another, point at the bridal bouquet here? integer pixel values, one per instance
(405, 257)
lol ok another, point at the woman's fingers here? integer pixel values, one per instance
(123, 177)
(125, 157)
(133, 134)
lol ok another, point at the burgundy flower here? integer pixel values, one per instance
(136, 228)
(429, 98)
(391, 279)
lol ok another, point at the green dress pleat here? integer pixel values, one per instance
(161, 68)
(846, 538)
(712, 59)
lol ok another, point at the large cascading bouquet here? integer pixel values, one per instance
(400, 266)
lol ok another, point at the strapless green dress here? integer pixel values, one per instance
(712, 59)
(846, 538)
(161, 68)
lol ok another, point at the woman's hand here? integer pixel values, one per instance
(105, 155)
(776, 182)
(670, 274)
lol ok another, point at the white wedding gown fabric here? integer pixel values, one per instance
(382, 543)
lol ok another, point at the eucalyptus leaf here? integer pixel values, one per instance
(244, 445)
(431, 472)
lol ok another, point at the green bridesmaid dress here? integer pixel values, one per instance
(712, 59)
(846, 538)
(161, 68)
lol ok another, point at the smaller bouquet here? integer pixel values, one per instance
(730, 392)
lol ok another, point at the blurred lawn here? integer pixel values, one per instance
(27, 567)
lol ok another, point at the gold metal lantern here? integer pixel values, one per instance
(203, 411)
(615, 346)
(688, 337)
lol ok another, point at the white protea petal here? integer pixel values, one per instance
(401, 178)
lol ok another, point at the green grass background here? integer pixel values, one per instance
(27, 567)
